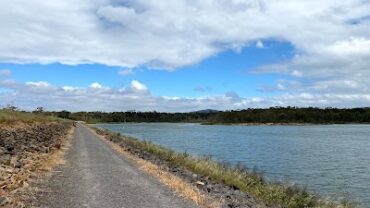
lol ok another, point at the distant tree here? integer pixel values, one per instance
(64, 114)
(11, 107)
(39, 110)
(251, 115)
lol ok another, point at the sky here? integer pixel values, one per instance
(184, 55)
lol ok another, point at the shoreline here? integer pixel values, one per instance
(281, 124)
(235, 124)
(220, 180)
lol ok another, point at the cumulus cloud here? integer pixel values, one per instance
(171, 33)
(137, 97)
(68, 88)
(96, 85)
(331, 39)
(138, 86)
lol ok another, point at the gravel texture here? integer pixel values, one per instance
(96, 176)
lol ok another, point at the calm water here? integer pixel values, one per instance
(333, 160)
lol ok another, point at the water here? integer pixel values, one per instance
(333, 160)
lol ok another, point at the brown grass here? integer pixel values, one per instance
(57, 157)
(8, 117)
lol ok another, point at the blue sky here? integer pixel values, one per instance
(184, 55)
(224, 72)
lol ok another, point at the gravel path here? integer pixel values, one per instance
(96, 176)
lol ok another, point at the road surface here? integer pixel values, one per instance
(95, 176)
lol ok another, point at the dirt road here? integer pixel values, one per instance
(95, 176)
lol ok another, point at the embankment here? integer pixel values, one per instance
(231, 186)
(28, 147)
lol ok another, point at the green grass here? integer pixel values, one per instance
(9, 117)
(272, 194)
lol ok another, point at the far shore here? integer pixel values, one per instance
(238, 124)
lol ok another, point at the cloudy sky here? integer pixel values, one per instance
(184, 55)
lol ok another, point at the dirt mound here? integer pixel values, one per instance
(23, 147)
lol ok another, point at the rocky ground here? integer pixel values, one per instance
(230, 197)
(23, 148)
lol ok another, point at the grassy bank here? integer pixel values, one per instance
(272, 194)
(10, 117)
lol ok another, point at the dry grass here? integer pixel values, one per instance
(8, 117)
(57, 157)
(178, 185)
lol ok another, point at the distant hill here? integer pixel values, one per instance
(207, 111)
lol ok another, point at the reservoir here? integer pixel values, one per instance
(333, 160)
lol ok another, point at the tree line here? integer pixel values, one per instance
(272, 115)
(251, 115)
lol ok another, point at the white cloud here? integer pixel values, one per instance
(137, 86)
(69, 88)
(40, 84)
(111, 99)
(125, 72)
(96, 85)
(280, 86)
(5, 72)
(296, 73)
(331, 39)
(170, 33)
(357, 47)
(260, 44)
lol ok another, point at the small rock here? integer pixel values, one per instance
(46, 150)
(3, 200)
(9, 148)
(9, 170)
(200, 183)
(195, 175)
(209, 188)
(58, 145)
(234, 187)
(25, 184)
(238, 192)
(18, 164)
(4, 159)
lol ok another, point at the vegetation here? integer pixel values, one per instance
(9, 116)
(273, 115)
(30, 145)
(273, 194)
(268, 115)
